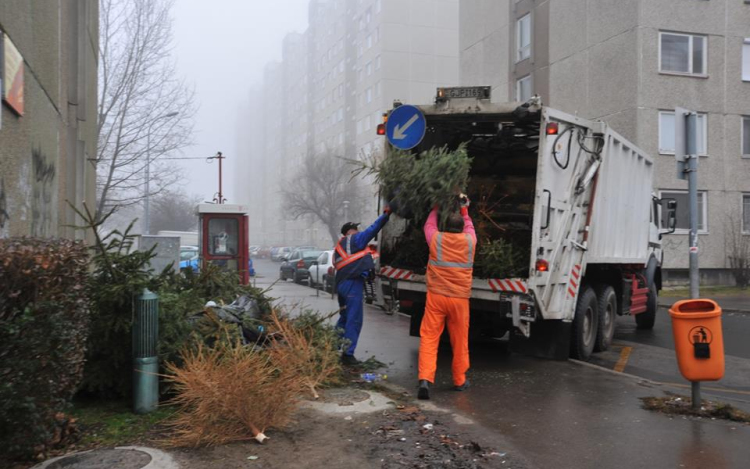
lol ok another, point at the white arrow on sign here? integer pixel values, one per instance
(398, 132)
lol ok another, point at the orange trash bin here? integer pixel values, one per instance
(698, 341)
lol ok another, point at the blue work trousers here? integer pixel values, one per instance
(351, 298)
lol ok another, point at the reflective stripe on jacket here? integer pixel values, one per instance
(451, 264)
(348, 264)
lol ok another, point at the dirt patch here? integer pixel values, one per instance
(403, 436)
(674, 404)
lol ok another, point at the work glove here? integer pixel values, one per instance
(387, 210)
(465, 202)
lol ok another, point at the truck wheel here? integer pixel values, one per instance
(646, 319)
(585, 325)
(607, 306)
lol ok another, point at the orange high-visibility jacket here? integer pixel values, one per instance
(451, 264)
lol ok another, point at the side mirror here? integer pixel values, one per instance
(671, 216)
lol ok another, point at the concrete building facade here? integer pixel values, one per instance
(630, 63)
(48, 135)
(338, 77)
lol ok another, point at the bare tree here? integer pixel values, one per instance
(738, 251)
(174, 211)
(320, 188)
(145, 110)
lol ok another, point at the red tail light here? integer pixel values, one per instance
(301, 264)
(330, 271)
(552, 128)
(381, 129)
(542, 265)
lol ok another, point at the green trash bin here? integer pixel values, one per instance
(145, 360)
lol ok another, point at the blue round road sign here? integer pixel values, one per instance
(406, 127)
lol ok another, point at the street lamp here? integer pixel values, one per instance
(346, 211)
(147, 199)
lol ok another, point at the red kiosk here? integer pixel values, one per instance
(223, 237)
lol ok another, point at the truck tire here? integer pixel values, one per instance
(607, 306)
(585, 325)
(646, 320)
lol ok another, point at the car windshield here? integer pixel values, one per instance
(311, 255)
(187, 255)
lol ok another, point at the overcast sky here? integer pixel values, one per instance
(222, 47)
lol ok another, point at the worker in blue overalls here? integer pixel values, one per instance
(353, 262)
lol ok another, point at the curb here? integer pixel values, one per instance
(159, 459)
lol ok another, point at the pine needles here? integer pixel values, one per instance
(234, 392)
(413, 184)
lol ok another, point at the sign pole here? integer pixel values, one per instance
(690, 166)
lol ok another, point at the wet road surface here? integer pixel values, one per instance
(562, 414)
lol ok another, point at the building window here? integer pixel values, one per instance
(377, 63)
(368, 123)
(523, 89)
(746, 59)
(368, 68)
(682, 53)
(369, 41)
(746, 137)
(666, 133)
(523, 38)
(746, 213)
(368, 94)
(683, 211)
(378, 6)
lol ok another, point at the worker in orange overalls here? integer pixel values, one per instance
(449, 273)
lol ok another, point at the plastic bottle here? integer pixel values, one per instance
(372, 377)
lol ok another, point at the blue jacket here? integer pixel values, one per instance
(357, 243)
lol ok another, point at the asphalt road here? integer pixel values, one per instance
(564, 414)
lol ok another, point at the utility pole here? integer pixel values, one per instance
(218, 197)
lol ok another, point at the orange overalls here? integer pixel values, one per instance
(449, 275)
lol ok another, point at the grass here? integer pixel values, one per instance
(114, 424)
(705, 292)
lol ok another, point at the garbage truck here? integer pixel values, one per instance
(569, 197)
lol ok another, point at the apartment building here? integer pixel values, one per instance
(48, 115)
(334, 82)
(630, 63)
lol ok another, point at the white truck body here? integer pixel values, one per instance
(595, 221)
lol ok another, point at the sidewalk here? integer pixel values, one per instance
(729, 304)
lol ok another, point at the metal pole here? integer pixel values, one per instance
(692, 157)
(221, 197)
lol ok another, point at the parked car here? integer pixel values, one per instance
(321, 272)
(253, 251)
(296, 267)
(264, 252)
(279, 254)
(189, 257)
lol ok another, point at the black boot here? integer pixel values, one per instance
(424, 390)
(463, 387)
(349, 360)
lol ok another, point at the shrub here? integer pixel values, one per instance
(44, 321)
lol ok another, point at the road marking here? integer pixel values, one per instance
(623, 361)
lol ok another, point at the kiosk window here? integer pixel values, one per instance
(223, 236)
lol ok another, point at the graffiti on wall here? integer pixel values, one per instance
(43, 194)
(4, 216)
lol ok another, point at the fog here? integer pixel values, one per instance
(221, 48)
